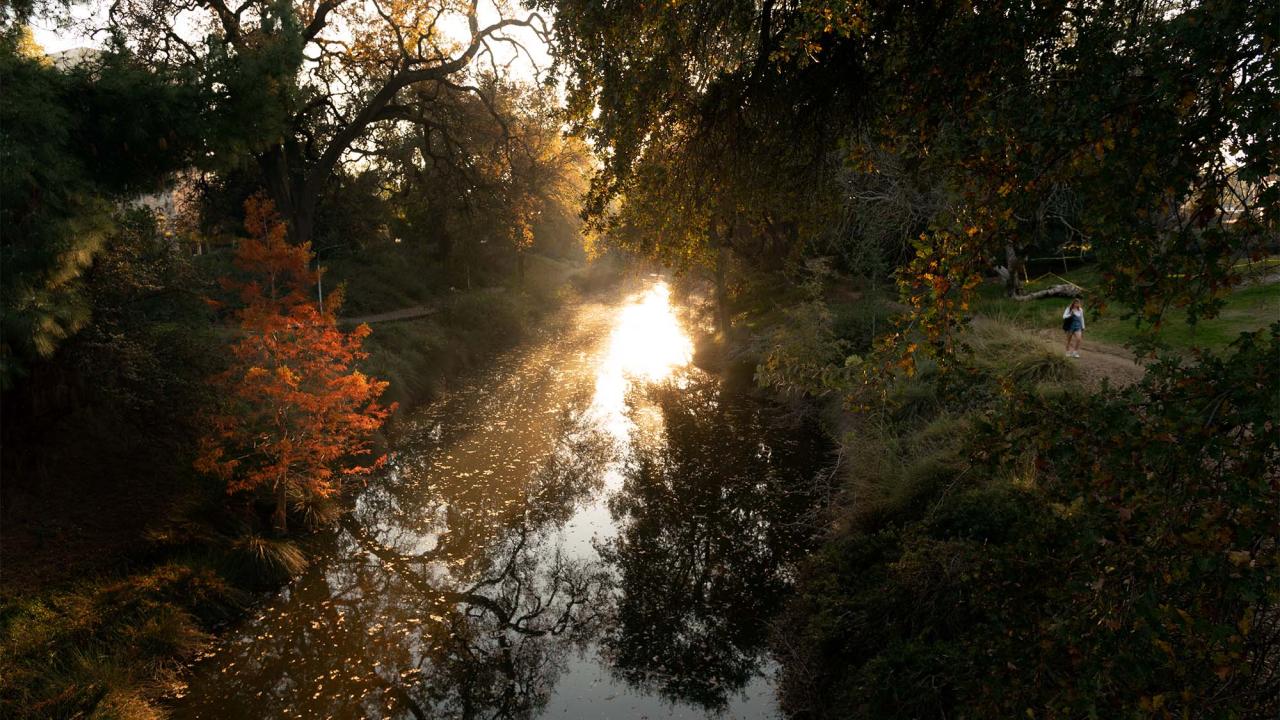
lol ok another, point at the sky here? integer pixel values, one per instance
(56, 39)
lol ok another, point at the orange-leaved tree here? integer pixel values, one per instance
(295, 420)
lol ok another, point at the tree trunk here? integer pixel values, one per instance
(722, 291)
(295, 199)
(437, 223)
(280, 518)
(302, 223)
(1014, 267)
(276, 175)
(1065, 290)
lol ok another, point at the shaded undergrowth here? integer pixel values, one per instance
(1005, 543)
(100, 611)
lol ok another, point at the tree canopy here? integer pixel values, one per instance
(298, 85)
(1138, 129)
(74, 142)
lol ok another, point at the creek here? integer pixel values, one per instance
(592, 527)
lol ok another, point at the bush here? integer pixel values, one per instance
(800, 354)
(859, 322)
(1124, 567)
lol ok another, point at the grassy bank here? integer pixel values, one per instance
(1248, 307)
(461, 330)
(155, 578)
(1003, 543)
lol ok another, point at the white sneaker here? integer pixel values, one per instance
(1075, 354)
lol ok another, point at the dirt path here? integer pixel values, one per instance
(408, 313)
(402, 314)
(1097, 361)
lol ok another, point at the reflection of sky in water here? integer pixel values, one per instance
(647, 344)
(525, 554)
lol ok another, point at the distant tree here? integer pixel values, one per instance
(466, 170)
(296, 420)
(300, 84)
(711, 143)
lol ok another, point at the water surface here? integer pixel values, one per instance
(592, 528)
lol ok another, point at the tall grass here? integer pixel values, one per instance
(999, 349)
(897, 461)
(106, 647)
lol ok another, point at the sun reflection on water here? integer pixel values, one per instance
(647, 344)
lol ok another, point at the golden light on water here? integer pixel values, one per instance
(647, 340)
(647, 344)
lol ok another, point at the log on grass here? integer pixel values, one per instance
(1065, 290)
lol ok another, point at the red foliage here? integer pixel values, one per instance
(295, 418)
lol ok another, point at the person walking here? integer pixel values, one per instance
(1073, 324)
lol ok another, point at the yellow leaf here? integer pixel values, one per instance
(1246, 622)
(1239, 558)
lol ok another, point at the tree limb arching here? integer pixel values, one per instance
(355, 60)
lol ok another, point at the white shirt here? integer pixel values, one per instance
(1078, 313)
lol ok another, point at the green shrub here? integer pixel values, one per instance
(1125, 567)
(799, 352)
(857, 323)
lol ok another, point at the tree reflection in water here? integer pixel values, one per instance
(708, 518)
(478, 625)
(463, 584)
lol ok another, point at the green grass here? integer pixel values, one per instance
(897, 460)
(1248, 308)
(385, 278)
(418, 356)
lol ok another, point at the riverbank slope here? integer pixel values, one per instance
(102, 602)
(1018, 533)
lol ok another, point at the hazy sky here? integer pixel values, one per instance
(54, 39)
